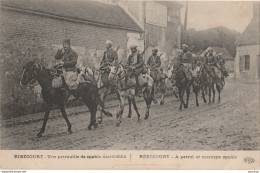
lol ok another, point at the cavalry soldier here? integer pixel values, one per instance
(154, 63)
(110, 55)
(210, 58)
(212, 62)
(221, 64)
(186, 60)
(69, 61)
(134, 67)
(69, 71)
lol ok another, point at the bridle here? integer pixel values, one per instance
(28, 81)
(40, 67)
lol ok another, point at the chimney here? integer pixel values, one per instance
(256, 12)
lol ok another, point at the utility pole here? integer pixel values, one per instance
(185, 23)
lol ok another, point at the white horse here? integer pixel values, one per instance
(118, 73)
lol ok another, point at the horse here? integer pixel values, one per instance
(210, 78)
(196, 81)
(118, 73)
(58, 96)
(159, 84)
(183, 84)
(104, 90)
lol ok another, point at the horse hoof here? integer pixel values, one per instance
(89, 127)
(99, 121)
(197, 105)
(162, 102)
(180, 109)
(129, 116)
(95, 125)
(39, 135)
(139, 120)
(117, 124)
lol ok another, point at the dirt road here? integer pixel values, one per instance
(232, 124)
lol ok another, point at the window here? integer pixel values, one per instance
(247, 62)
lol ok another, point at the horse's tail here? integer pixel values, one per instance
(100, 103)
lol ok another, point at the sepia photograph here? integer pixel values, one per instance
(129, 75)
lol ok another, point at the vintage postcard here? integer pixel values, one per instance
(122, 84)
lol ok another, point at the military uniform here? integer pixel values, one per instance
(186, 60)
(69, 58)
(221, 65)
(154, 63)
(71, 77)
(135, 60)
(110, 55)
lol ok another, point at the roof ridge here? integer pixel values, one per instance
(77, 17)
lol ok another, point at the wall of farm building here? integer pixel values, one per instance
(23, 35)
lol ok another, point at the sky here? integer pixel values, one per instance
(202, 15)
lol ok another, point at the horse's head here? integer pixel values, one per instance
(30, 72)
(197, 70)
(115, 70)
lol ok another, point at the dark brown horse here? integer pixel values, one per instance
(183, 84)
(58, 96)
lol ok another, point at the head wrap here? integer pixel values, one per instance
(66, 41)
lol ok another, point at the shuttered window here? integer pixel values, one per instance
(247, 62)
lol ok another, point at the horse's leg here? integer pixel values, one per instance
(130, 108)
(46, 117)
(219, 91)
(210, 94)
(153, 94)
(163, 90)
(65, 116)
(92, 106)
(93, 112)
(213, 90)
(148, 100)
(103, 97)
(196, 94)
(188, 96)
(135, 107)
(181, 97)
(203, 94)
(121, 107)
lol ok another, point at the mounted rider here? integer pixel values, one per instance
(186, 61)
(134, 68)
(68, 63)
(154, 63)
(212, 62)
(221, 65)
(110, 55)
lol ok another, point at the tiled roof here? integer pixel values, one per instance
(95, 12)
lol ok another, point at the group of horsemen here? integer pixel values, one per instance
(135, 65)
